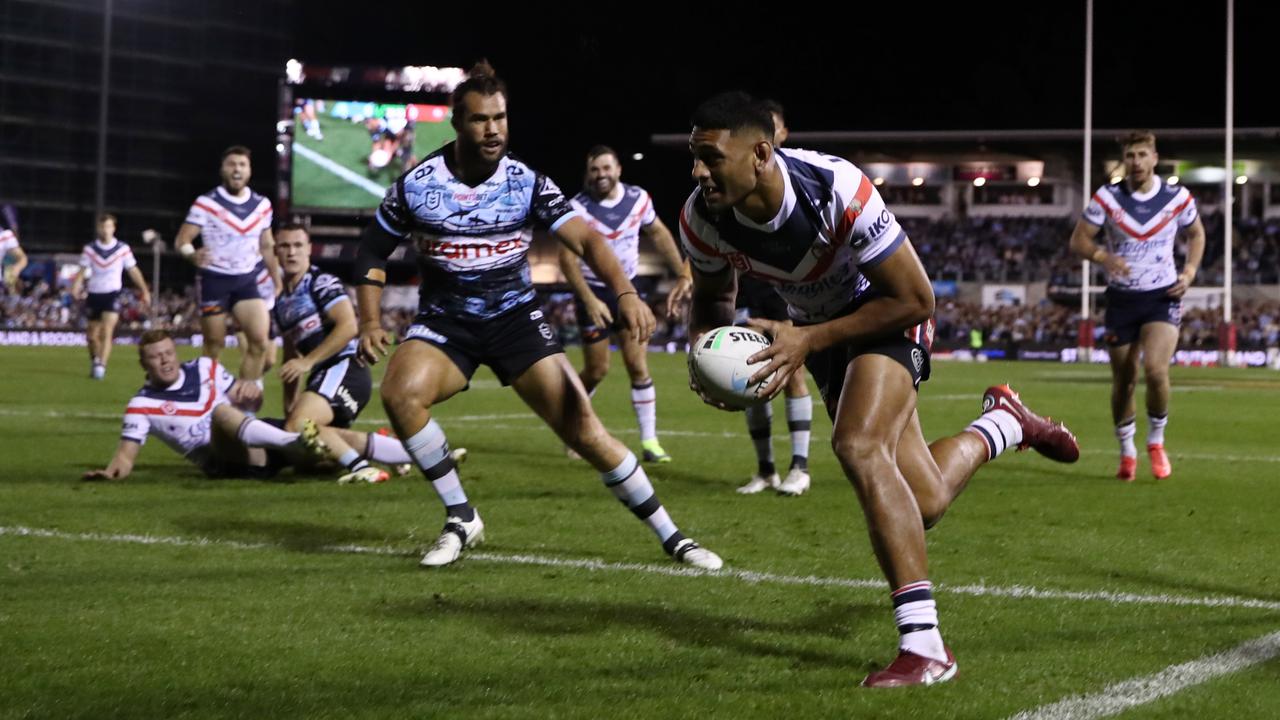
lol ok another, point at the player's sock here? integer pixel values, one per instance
(430, 452)
(352, 461)
(799, 421)
(630, 484)
(916, 615)
(386, 450)
(1124, 433)
(644, 399)
(1155, 429)
(256, 433)
(760, 425)
(999, 429)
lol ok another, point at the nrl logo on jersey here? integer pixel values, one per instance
(433, 199)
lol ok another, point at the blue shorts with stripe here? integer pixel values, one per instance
(1128, 311)
(347, 385)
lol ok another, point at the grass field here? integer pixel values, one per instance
(347, 144)
(169, 595)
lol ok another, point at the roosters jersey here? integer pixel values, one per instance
(105, 265)
(1141, 228)
(619, 221)
(231, 228)
(181, 415)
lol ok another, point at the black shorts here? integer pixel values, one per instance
(97, 303)
(591, 333)
(347, 385)
(829, 366)
(218, 293)
(509, 344)
(758, 299)
(1127, 312)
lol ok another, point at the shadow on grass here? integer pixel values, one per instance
(296, 536)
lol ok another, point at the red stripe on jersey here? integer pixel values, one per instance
(229, 219)
(852, 212)
(1135, 234)
(213, 394)
(693, 237)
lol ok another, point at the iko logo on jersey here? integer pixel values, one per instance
(881, 224)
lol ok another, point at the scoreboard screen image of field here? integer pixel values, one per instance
(346, 152)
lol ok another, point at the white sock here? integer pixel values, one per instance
(1155, 429)
(999, 429)
(631, 485)
(352, 461)
(644, 399)
(760, 425)
(916, 615)
(256, 433)
(430, 452)
(1124, 433)
(386, 450)
(799, 422)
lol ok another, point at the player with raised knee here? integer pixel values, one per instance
(470, 208)
(1142, 216)
(622, 214)
(813, 226)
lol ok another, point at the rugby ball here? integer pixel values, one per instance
(719, 365)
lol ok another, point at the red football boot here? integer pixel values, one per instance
(911, 669)
(1160, 465)
(1051, 439)
(1128, 468)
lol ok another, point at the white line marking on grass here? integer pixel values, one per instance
(345, 174)
(1016, 592)
(1128, 694)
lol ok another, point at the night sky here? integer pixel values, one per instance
(576, 81)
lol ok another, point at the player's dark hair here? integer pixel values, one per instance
(482, 79)
(1139, 137)
(151, 337)
(107, 216)
(773, 107)
(237, 150)
(293, 225)
(599, 150)
(733, 111)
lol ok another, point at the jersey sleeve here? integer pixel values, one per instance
(393, 213)
(197, 215)
(867, 224)
(129, 260)
(551, 208)
(84, 258)
(647, 214)
(136, 425)
(697, 237)
(1189, 212)
(268, 215)
(327, 291)
(1094, 212)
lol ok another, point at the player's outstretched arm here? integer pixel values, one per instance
(121, 463)
(1083, 245)
(376, 245)
(588, 244)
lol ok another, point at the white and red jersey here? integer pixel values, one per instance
(105, 265)
(8, 241)
(619, 220)
(181, 415)
(232, 228)
(831, 226)
(1141, 228)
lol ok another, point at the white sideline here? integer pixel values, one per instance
(1115, 699)
(345, 174)
(1018, 592)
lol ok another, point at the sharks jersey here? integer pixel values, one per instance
(181, 415)
(619, 221)
(1141, 228)
(300, 314)
(831, 226)
(472, 242)
(106, 265)
(231, 229)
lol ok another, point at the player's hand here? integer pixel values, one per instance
(1179, 287)
(104, 474)
(636, 316)
(695, 386)
(681, 294)
(786, 354)
(374, 343)
(145, 299)
(202, 257)
(1115, 265)
(295, 369)
(598, 313)
(245, 394)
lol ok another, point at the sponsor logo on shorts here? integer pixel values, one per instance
(426, 333)
(344, 396)
(917, 358)
(535, 315)
(545, 331)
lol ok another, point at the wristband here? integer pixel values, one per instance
(186, 250)
(629, 292)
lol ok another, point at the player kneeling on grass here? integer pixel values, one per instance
(318, 323)
(194, 408)
(814, 227)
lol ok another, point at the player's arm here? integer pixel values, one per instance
(141, 282)
(290, 386)
(344, 330)
(19, 264)
(77, 285)
(1195, 253)
(121, 463)
(267, 246)
(596, 308)
(712, 296)
(376, 245)
(184, 243)
(665, 244)
(904, 298)
(1084, 246)
(576, 235)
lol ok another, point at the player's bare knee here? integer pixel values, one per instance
(861, 456)
(586, 436)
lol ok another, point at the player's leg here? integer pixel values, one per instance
(760, 428)
(214, 330)
(644, 396)
(1124, 374)
(93, 334)
(553, 390)
(799, 425)
(253, 318)
(1158, 340)
(595, 362)
(106, 336)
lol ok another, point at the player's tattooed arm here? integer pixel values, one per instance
(121, 463)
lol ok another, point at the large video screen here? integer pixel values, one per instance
(346, 152)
